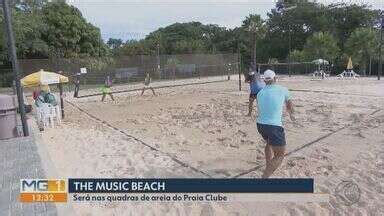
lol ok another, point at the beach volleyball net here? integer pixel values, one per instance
(128, 72)
(293, 68)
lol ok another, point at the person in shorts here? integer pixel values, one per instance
(147, 83)
(76, 82)
(106, 89)
(270, 102)
(255, 85)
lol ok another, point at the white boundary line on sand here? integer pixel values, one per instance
(305, 145)
(140, 141)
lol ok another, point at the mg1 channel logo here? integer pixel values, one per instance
(43, 190)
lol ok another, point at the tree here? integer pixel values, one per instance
(30, 5)
(309, 17)
(362, 45)
(346, 18)
(176, 33)
(114, 43)
(256, 26)
(191, 37)
(44, 29)
(299, 22)
(69, 34)
(134, 47)
(321, 45)
(192, 46)
(28, 30)
(214, 38)
(297, 56)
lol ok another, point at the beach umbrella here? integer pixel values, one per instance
(320, 62)
(349, 65)
(42, 78)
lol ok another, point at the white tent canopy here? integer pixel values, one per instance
(320, 61)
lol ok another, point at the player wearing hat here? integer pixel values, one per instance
(270, 102)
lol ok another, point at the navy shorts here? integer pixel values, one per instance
(253, 95)
(274, 135)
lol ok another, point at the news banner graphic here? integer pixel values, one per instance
(174, 189)
(43, 190)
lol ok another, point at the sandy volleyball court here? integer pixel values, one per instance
(202, 131)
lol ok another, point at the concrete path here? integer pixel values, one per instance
(19, 158)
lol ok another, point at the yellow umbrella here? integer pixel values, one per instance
(349, 65)
(42, 78)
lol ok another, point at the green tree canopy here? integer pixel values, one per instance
(134, 47)
(180, 38)
(28, 30)
(68, 34)
(54, 29)
(308, 18)
(114, 43)
(254, 24)
(321, 45)
(44, 29)
(297, 56)
(361, 45)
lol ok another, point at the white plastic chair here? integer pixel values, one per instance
(348, 74)
(56, 113)
(38, 113)
(46, 114)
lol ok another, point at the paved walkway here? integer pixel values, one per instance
(19, 158)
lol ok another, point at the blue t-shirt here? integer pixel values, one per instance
(270, 102)
(256, 85)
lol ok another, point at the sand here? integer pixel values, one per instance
(338, 136)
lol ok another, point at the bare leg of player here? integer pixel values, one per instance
(153, 91)
(142, 92)
(110, 94)
(276, 161)
(268, 154)
(102, 98)
(250, 106)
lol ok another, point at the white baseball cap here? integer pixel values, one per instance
(269, 74)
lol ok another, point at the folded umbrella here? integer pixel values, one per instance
(349, 65)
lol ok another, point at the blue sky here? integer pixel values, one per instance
(133, 19)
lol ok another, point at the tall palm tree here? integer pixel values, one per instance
(256, 27)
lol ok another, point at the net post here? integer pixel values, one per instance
(228, 71)
(239, 68)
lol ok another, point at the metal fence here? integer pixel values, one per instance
(165, 67)
(6, 79)
(133, 69)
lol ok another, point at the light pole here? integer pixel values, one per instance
(381, 44)
(289, 49)
(239, 64)
(289, 38)
(253, 28)
(281, 8)
(158, 60)
(15, 64)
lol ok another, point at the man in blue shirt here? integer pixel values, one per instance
(270, 102)
(255, 85)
